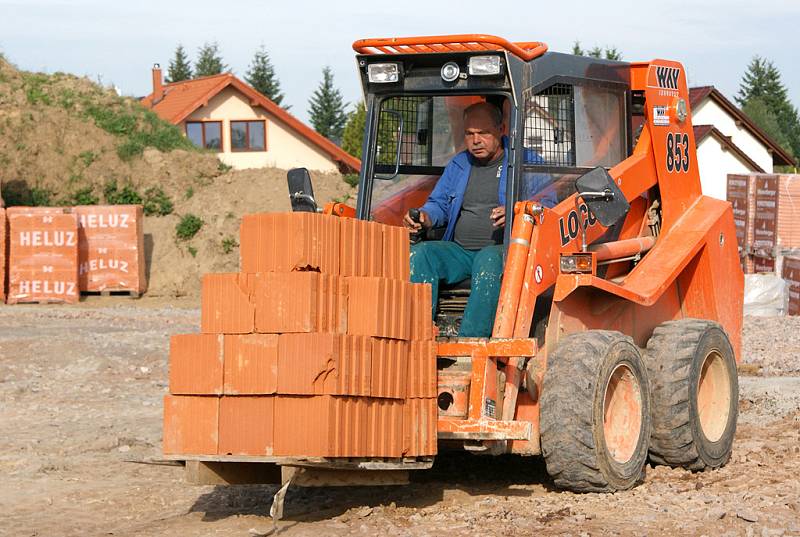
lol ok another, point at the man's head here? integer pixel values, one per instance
(483, 131)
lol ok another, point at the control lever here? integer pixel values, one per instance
(416, 236)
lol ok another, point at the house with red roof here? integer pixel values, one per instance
(246, 129)
(728, 142)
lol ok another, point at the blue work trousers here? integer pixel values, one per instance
(446, 262)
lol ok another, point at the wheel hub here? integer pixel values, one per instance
(713, 396)
(622, 413)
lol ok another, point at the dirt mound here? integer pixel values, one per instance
(65, 140)
(177, 264)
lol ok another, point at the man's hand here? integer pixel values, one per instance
(498, 216)
(424, 222)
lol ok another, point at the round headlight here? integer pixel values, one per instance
(450, 71)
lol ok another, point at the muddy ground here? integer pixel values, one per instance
(80, 426)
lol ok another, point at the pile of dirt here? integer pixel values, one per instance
(65, 140)
(176, 265)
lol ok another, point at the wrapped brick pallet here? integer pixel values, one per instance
(111, 248)
(320, 347)
(42, 255)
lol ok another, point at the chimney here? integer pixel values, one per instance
(158, 88)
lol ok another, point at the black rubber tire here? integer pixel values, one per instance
(674, 357)
(572, 407)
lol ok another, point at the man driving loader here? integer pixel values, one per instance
(469, 199)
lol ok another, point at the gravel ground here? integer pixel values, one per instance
(80, 432)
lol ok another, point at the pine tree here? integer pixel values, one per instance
(209, 61)
(353, 135)
(762, 80)
(597, 52)
(262, 77)
(327, 108)
(179, 67)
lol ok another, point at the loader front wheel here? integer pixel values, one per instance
(595, 413)
(695, 394)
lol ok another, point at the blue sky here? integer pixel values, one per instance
(118, 42)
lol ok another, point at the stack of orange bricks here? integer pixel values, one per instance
(320, 347)
(54, 253)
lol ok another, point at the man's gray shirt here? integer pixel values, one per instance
(474, 229)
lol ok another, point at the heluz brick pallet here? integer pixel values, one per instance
(321, 328)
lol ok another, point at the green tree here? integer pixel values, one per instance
(261, 76)
(179, 67)
(209, 61)
(762, 80)
(597, 52)
(757, 110)
(353, 135)
(326, 108)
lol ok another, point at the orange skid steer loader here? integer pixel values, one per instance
(618, 327)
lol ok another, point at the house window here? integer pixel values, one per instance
(248, 135)
(206, 134)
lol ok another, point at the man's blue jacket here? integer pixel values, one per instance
(445, 201)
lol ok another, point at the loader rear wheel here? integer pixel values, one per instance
(695, 394)
(595, 413)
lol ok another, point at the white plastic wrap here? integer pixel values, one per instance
(765, 295)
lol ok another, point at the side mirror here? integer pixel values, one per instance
(602, 195)
(301, 193)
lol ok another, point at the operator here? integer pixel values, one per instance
(469, 198)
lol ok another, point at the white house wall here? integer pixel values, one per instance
(710, 113)
(285, 148)
(715, 163)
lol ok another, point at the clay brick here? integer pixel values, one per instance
(421, 307)
(324, 364)
(299, 302)
(396, 253)
(191, 424)
(389, 368)
(251, 364)
(379, 307)
(285, 242)
(195, 364)
(111, 248)
(361, 248)
(385, 428)
(225, 307)
(246, 425)
(419, 427)
(321, 426)
(421, 372)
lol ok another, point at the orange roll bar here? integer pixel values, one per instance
(526, 50)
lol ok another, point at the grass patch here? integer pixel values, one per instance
(41, 197)
(138, 128)
(127, 195)
(351, 179)
(87, 157)
(156, 202)
(188, 227)
(228, 244)
(192, 251)
(84, 196)
(189, 193)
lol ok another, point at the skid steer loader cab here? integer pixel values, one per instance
(563, 115)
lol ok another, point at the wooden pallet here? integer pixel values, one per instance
(112, 292)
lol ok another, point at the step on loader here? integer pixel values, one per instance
(618, 327)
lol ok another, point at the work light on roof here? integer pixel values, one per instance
(450, 71)
(484, 65)
(383, 73)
